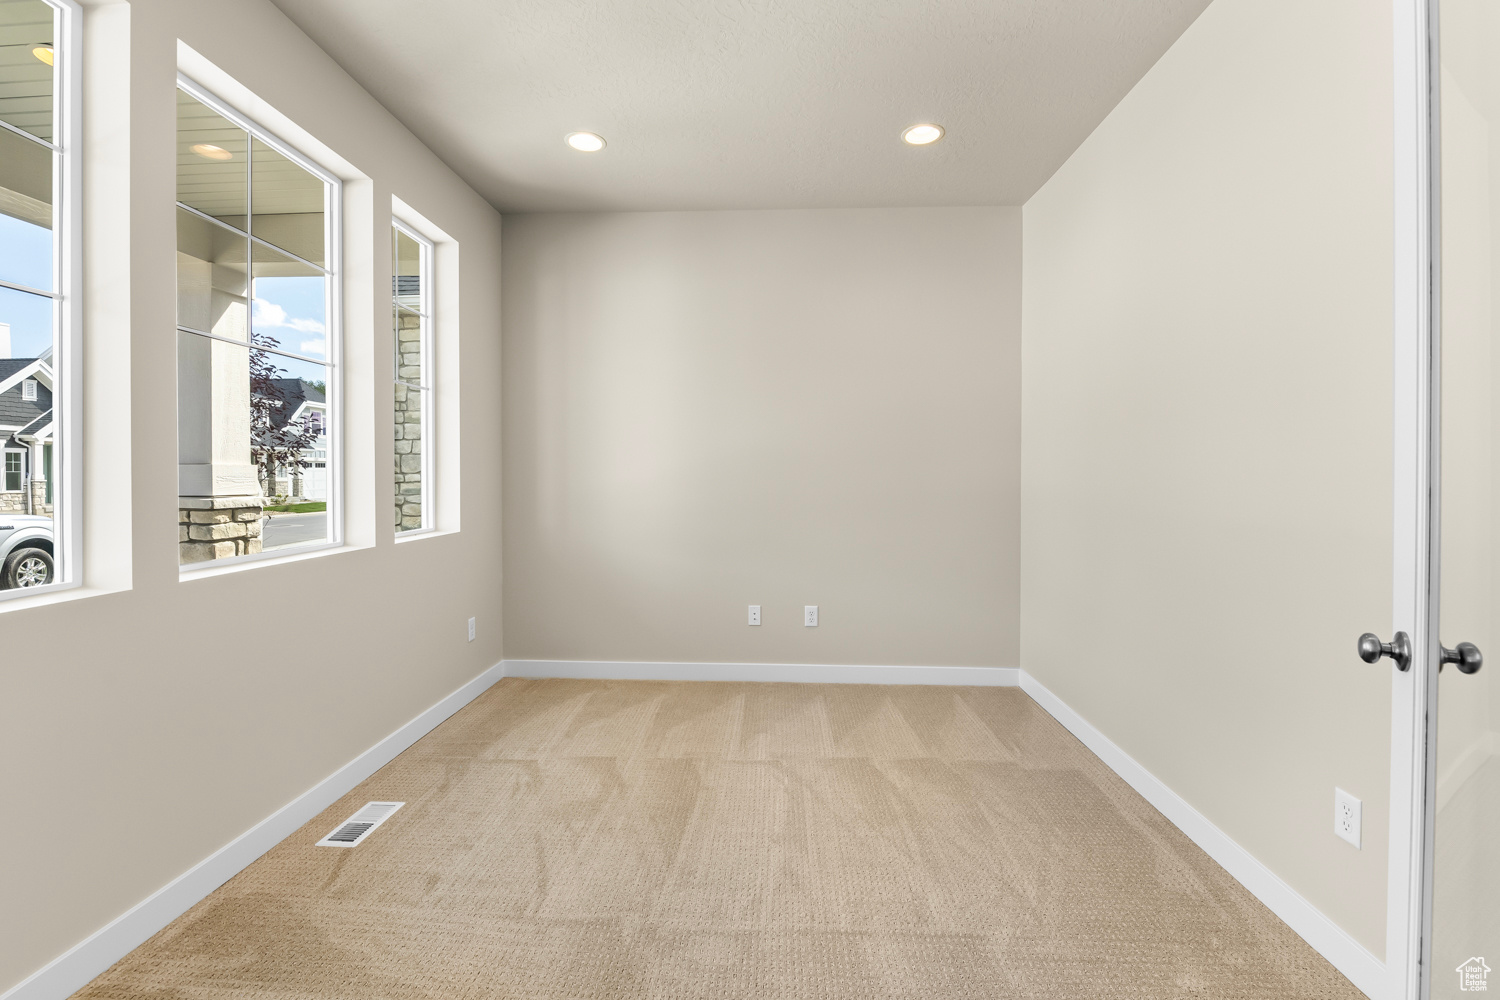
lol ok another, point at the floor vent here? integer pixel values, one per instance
(359, 826)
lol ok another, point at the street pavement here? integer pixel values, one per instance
(280, 530)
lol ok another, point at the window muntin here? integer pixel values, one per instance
(257, 339)
(36, 249)
(411, 322)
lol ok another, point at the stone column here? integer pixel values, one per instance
(217, 527)
(38, 479)
(219, 497)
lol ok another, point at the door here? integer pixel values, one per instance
(1464, 774)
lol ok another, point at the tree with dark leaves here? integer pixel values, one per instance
(276, 442)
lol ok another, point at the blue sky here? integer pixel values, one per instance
(293, 368)
(292, 311)
(289, 309)
(26, 259)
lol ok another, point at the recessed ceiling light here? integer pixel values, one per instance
(43, 51)
(209, 151)
(585, 142)
(922, 135)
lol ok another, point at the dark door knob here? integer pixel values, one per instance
(1467, 658)
(1371, 649)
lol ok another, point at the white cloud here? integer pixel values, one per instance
(270, 315)
(312, 347)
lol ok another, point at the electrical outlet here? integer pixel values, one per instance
(471, 630)
(810, 616)
(1346, 816)
(755, 614)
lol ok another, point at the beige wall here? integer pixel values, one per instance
(708, 410)
(1207, 433)
(179, 714)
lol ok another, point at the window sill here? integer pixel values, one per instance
(53, 593)
(219, 567)
(412, 536)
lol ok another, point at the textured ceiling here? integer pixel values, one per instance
(747, 103)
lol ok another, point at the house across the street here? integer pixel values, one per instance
(302, 400)
(26, 435)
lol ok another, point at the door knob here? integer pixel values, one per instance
(1371, 649)
(1467, 658)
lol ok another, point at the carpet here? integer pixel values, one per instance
(584, 840)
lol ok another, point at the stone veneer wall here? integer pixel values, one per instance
(408, 450)
(217, 527)
(409, 377)
(14, 501)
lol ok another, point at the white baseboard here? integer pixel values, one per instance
(810, 673)
(75, 968)
(1328, 939)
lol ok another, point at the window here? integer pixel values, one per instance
(37, 354)
(257, 339)
(411, 319)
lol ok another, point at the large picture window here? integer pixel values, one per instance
(257, 339)
(35, 300)
(411, 319)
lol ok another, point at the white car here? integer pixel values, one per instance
(26, 553)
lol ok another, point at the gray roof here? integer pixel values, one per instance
(408, 290)
(15, 411)
(36, 425)
(294, 392)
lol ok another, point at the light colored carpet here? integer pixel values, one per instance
(583, 840)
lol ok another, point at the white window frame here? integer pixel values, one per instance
(67, 257)
(333, 230)
(427, 386)
(20, 471)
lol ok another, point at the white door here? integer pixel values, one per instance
(1464, 793)
(1445, 863)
